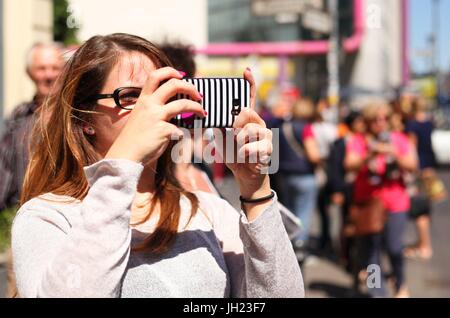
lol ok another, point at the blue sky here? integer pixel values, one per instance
(420, 29)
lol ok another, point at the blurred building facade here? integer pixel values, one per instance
(229, 36)
(156, 20)
(373, 52)
(22, 23)
(381, 65)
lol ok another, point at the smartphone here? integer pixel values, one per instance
(223, 99)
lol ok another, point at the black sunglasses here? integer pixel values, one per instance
(125, 97)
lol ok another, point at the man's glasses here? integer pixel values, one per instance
(125, 97)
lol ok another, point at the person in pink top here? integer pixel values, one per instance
(380, 158)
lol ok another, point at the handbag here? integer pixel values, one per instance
(367, 217)
(433, 187)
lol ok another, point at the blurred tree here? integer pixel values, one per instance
(61, 31)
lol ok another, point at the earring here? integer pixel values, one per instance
(89, 131)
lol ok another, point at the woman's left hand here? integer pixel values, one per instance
(252, 149)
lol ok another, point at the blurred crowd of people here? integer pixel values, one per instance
(376, 164)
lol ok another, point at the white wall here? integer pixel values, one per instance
(24, 23)
(156, 20)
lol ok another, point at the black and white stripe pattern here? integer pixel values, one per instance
(222, 99)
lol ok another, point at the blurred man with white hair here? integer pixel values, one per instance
(43, 65)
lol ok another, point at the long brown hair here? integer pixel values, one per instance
(59, 148)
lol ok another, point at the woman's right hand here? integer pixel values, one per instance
(148, 131)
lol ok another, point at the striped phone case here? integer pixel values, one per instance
(223, 99)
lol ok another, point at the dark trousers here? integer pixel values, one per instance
(391, 239)
(323, 203)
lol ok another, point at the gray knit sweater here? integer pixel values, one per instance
(83, 248)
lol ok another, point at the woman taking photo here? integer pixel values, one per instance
(103, 214)
(380, 161)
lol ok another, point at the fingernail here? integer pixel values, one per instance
(201, 95)
(205, 113)
(248, 69)
(182, 73)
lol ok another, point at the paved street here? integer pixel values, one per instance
(324, 278)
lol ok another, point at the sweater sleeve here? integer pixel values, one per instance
(83, 257)
(259, 255)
